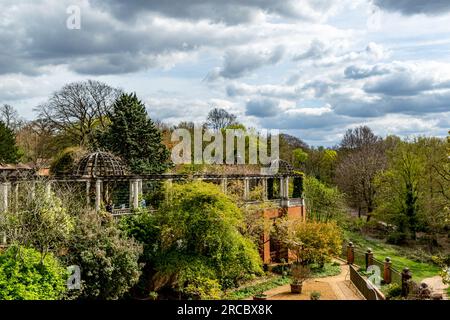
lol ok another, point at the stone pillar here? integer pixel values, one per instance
(350, 253)
(16, 196)
(281, 188)
(4, 194)
(48, 188)
(264, 189)
(387, 272)
(135, 193)
(98, 194)
(369, 258)
(246, 188)
(88, 189)
(224, 184)
(168, 187)
(406, 277)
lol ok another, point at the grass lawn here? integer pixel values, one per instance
(381, 250)
(274, 280)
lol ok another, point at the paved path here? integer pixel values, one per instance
(336, 287)
(437, 285)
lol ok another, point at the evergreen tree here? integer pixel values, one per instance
(134, 137)
(9, 152)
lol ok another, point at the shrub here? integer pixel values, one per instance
(64, 162)
(193, 237)
(393, 290)
(315, 295)
(107, 259)
(310, 242)
(397, 238)
(24, 276)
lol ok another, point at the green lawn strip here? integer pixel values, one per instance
(420, 270)
(277, 280)
(251, 290)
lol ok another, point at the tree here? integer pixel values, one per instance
(79, 109)
(108, 260)
(310, 242)
(400, 189)
(41, 221)
(322, 203)
(10, 117)
(133, 136)
(9, 152)
(220, 119)
(24, 276)
(193, 243)
(362, 156)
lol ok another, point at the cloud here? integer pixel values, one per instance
(262, 108)
(240, 63)
(411, 7)
(362, 72)
(218, 11)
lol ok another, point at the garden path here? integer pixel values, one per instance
(336, 287)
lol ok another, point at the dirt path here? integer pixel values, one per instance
(336, 287)
(437, 285)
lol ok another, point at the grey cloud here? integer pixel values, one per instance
(411, 7)
(288, 120)
(229, 12)
(238, 63)
(361, 72)
(317, 50)
(404, 84)
(262, 108)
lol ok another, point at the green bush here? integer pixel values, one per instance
(107, 259)
(396, 238)
(193, 237)
(24, 276)
(393, 290)
(64, 162)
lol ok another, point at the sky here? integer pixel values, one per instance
(312, 69)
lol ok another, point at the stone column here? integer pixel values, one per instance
(224, 184)
(350, 253)
(48, 188)
(264, 189)
(387, 272)
(16, 196)
(168, 188)
(281, 187)
(88, 189)
(369, 258)
(98, 194)
(4, 194)
(135, 187)
(246, 189)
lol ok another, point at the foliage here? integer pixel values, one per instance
(193, 236)
(24, 276)
(299, 273)
(392, 291)
(65, 161)
(310, 242)
(410, 191)
(134, 137)
(322, 203)
(93, 101)
(220, 119)
(9, 152)
(254, 289)
(41, 222)
(107, 259)
(315, 295)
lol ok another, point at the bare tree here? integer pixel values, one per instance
(220, 119)
(79, 108)
(362, 157)
(10, 116)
